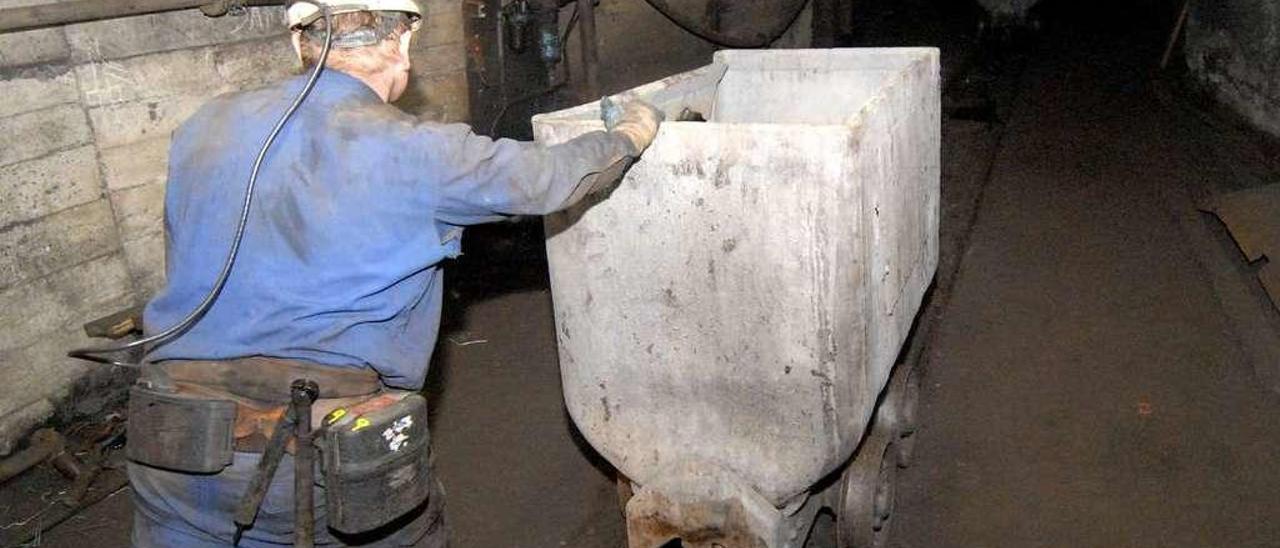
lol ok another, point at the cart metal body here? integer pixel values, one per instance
(729, 317)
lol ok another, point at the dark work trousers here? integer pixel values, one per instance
(174, 509)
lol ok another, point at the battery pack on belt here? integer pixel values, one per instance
(376, 461)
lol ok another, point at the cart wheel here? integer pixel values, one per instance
(906, 431)
(897, 414)
(867, 496)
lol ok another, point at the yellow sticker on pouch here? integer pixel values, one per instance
(361, 424)
(335, 415)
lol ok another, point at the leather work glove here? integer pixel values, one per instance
(634, 119)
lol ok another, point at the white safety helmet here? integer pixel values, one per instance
(304, 12)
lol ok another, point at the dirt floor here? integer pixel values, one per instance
(1086, 386)
(1086, 381)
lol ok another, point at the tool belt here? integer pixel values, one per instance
(259, 387)
(192, 416)
(243, 399)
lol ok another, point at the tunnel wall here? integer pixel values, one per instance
(1233, 48)
(1008, 8)
(86, 111)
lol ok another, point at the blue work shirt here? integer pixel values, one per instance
(357, 204)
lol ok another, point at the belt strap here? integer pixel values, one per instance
(255, 423)
(267, 379)
(260, 388)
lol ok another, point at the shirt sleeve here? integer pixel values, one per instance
(482, 179)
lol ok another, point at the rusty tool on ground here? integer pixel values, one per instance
(46, 445)
(95, 462)
(91, 475)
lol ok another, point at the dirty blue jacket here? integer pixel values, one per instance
(356, 206)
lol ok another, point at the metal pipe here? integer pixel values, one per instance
(501, 38)
(590, 49)
(80, 11)
(1173, 36)
(731, 40)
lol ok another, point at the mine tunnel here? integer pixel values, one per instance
(639, 273)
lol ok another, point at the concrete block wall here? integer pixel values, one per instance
(85, 121)
(1233, 48)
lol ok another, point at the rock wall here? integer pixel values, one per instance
(85, 120)
(1233, 48)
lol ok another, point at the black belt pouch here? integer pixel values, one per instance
(180, 432)
(377, 465)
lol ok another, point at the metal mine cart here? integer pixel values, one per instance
(730, 316)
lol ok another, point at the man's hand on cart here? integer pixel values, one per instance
(634, 119)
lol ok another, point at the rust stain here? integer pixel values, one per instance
(653, 521)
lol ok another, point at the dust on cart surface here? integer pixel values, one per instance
(732, 311)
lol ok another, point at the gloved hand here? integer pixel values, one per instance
(634, 119)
